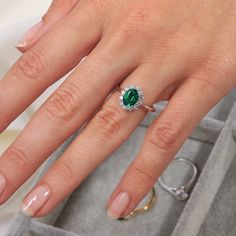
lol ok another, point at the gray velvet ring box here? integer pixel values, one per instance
(210, 210)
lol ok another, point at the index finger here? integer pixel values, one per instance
(53, 56)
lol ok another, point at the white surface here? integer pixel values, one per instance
(13, 12)
(16, 18)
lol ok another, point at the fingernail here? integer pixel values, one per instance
(35, 200)
(28, 36)
(119, 205)
(2, 183)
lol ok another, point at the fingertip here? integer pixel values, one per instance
(35, 200)
(119, 205)
(29, 37)
(22, 47)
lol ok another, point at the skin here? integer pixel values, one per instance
(182, 51)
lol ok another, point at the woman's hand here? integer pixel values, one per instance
(183, 51)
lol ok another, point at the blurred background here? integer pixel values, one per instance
(16, 18)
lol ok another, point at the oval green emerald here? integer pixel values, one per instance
(130, 97)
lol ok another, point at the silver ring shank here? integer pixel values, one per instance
(182, 192)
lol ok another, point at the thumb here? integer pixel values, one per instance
(57, 10)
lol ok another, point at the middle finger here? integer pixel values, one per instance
(65, 111)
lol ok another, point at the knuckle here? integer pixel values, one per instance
(33, 64)
(222, 60)
(105, 58)
(164, 136)
(206, 84)
(125, 34)
(220, 65)
(139, 173)
(63, 168)
(17, 156)
(108, 121)
(136, 25)
(216, 67)
(99, 5)
(63, 104)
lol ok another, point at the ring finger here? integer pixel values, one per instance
(109, 128)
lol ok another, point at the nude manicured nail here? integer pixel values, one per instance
(35, 200)
(118, 205)
(2, 183)
(28, 36)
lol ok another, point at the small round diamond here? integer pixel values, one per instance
(181, 194)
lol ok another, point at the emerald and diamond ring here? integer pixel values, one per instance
(132, 98)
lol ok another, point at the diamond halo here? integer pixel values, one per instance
(138, 103)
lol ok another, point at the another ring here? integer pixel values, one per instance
(181, 193)
(147, 207)
(132, 98)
